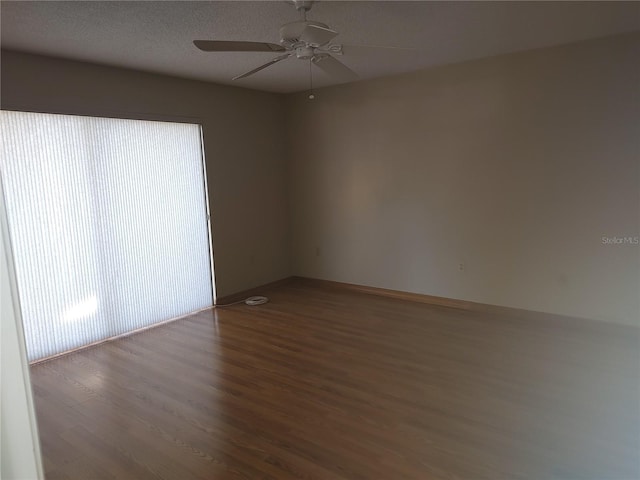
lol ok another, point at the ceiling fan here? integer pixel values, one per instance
(304, 40)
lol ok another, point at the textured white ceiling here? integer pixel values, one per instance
(156, 36)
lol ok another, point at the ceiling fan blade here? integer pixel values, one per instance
(224, 46)
(334, 68)
(348, 49)
(268, 64)
(315, 35)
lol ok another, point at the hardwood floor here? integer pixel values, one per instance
(324, 384)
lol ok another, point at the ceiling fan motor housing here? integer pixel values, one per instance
(290, 32)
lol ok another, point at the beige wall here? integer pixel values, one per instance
(516, 166)
(243, 140)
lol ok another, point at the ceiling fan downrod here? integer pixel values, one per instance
(303, 6)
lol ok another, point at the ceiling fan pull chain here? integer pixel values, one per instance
(311, 95)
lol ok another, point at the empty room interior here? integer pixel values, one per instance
(338, 240)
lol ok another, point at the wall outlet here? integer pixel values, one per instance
(461, 267)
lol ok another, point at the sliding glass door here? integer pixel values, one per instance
(109, 225)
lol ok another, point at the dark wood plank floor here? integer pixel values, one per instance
(322, 384)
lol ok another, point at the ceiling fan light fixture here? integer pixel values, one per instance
(304, 52)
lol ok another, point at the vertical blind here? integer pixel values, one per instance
(108, 221)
